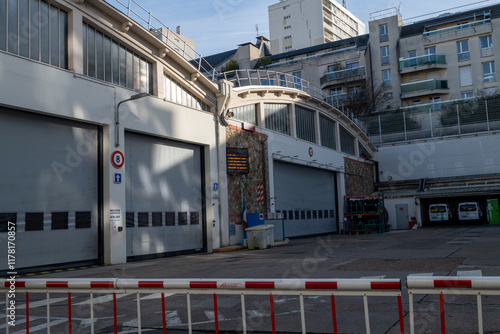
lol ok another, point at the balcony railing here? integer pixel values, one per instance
(458, 27)
(242, 78)
(422, 60)
(147, 20)
(343, 74)
(424, 85)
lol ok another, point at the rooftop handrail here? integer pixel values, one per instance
(455, 28)
(150, 22)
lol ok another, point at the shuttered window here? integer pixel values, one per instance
(304, 119)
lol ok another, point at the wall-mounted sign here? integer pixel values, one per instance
(117, 159)
(237, 160)
(248, 126)
(311, 152)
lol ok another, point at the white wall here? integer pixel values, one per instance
(40, 88)
(453, 157)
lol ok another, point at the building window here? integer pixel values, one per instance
(351, 65)
(327, 133)
(467, 95)
(463, 50)
(354, 92)
(486, 45)
(288, 48)
(486, 42)
(246, 114)
(336, 91)
(288, 37)
(297, 80)
(288, 27)
(106, 59)
(304, 118)
(384, 51)
(386, 78)
(36, 30)
(388, 96)
(412, 58)
(175, 93)
(286, 17)
(282, 80)
(465, 76)
(436, 99)
(384, 33)
(346, 142)
(489, 71)
(430, 50)
(277, 118)
(416, 102)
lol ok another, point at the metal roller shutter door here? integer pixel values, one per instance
(306, 197)
(165, 209)
(49, 186)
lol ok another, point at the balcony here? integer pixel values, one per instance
(422, 63)
(336, 77)
(420, 88)
(457, 27)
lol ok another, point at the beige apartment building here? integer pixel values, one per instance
(297, 24)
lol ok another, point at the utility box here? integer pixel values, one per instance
(260, 237)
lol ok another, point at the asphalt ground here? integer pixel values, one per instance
(440, 251)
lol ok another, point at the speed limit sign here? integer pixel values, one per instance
(117, 159)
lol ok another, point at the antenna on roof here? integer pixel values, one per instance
(257, 29)
(344, 3)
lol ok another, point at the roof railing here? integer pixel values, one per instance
(150, 22)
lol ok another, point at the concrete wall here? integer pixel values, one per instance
(440, 158)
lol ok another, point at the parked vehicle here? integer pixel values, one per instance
(469, 211)
(439, 213)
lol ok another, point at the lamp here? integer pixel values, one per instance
(117, 114)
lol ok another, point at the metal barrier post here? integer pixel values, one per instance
(163, 315)
(48, 314)
(367, 315)
(27, 313)
(115, 316)
(441, 313)
(188, 302)
(243, 314)
(302, 314)
(69, 312)
(334, 315)
(139, 327)
(273, 323)
(216, 316)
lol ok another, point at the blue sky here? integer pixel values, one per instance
(220, 25)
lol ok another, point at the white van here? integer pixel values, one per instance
(439, 212)
(469, 211)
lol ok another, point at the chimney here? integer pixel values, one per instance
(178, 30)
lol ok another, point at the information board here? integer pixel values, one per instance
(237, 160)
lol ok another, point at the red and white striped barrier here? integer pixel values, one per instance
(271, 287)
(451, 285)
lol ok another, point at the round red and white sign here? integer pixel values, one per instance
(117, 159)
(311, 152)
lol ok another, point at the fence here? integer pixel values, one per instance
(435, 120)
(446, 285)
(213, 288)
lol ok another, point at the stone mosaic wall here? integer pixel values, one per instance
(359, 177)
(258, 170)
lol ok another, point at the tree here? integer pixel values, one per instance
(264, 61)
(231, 65)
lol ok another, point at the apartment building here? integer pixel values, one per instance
(448, 57)
(297, 24)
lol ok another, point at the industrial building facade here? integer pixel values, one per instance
(114, 142)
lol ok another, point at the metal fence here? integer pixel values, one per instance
(437, 120)
(150, 22)
(242, 78)
(189, 287)
(434, 285)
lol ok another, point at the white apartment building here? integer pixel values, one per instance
(297, 24)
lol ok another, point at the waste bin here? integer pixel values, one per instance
(260, 236)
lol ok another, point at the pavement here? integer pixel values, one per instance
(440, 251)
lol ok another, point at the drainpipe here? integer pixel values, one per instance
(223, 99)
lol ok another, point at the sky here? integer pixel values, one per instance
(220, 25)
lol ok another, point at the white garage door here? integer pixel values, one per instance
(49, 189)
(165, 209)
(306, 197)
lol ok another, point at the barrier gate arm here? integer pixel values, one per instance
(449, 285)
(214, 287)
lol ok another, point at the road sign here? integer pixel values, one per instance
(118, 178)
(117, 159)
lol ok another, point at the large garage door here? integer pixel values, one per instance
(306, 197)
(165, 209)
(49, 189)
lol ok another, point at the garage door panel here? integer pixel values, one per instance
(308, 197)
(50, 184)
(164, 183)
